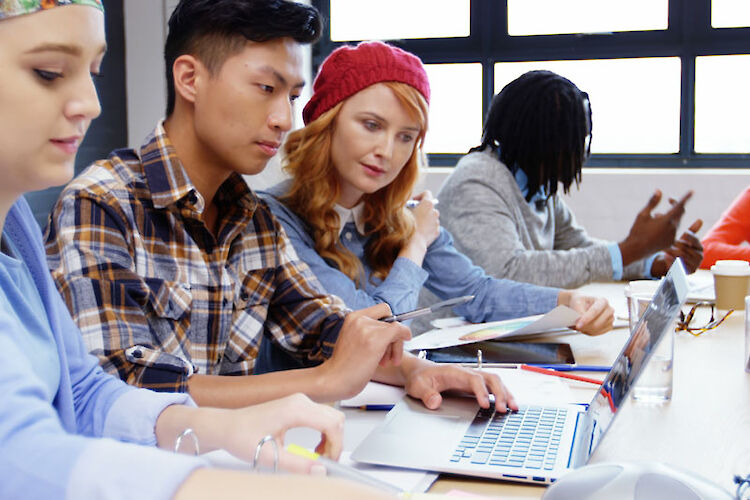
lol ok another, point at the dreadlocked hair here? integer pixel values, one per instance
(315, 190)
(540, 124)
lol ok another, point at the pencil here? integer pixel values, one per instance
(558, 374)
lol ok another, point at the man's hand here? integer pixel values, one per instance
(652, 233)
(597, 316)
(427, 380)
(363, 344)
(688, 248)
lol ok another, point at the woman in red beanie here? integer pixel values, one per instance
(354, 166)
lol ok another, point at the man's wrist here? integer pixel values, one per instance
(658, 267)
(628, 252)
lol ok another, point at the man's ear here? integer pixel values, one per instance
(187, 72)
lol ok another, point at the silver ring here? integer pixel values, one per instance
(479, 359)
(259, 448)
(192, 434)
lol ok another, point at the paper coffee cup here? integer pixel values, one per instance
(731, 283)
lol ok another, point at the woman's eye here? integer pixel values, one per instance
(48, 76)
(407, 137)
(371, 125)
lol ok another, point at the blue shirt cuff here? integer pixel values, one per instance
(132, 417)
(647, 266)
(616, 257)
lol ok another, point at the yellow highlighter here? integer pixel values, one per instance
(344, 471)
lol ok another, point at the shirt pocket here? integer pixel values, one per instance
(168, 312)
(168, 299)
(252, 302)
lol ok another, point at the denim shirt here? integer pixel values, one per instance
(444, 271)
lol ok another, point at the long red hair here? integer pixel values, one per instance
(315, 190)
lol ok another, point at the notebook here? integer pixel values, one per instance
(538, 443)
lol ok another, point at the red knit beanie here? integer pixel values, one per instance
(347, 70)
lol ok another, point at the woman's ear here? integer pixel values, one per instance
(187, 72)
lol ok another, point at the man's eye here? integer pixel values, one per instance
(47, 76)
(266, 88)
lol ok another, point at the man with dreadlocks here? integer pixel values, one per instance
(503, 207)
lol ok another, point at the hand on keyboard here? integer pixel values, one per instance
(427, 380)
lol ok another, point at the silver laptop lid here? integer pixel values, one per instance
(630, 363)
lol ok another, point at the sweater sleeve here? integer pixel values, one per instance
(39, 459)
(479, 209)
(452, 274)
(725, 240)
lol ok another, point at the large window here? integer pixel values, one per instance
(667, 79)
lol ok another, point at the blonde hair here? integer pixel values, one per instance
(315, 190)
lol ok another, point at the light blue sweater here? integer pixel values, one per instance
(47, 449)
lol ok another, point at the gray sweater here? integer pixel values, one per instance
(483, 207)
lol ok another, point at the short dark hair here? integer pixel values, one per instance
(539, 124)
(213, 30)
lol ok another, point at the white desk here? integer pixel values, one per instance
(705, 428)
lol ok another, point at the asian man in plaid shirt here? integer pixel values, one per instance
(175, 271)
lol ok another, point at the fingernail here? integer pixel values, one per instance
(318, 470)
(433, 401)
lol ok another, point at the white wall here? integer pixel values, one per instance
(606, 203)
(608, 199)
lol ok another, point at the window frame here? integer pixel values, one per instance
(689, 34)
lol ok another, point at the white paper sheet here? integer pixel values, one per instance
(375, 393)
(558, 319)
(526, 387)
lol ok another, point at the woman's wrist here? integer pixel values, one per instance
(563, 297)
(414, 250)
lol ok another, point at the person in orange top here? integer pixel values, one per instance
(725, 240)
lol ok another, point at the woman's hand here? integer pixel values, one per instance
(597, 316)
(426, 229)
(242, 429)
(239, 431)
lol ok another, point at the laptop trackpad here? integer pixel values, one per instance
(414, 436)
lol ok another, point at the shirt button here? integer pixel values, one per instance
(348, 235)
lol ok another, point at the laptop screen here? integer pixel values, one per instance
(630, 363)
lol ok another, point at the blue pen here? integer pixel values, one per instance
(575, 368)
(376, 407)
(414, 203)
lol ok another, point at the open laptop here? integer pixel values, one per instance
(536, 444)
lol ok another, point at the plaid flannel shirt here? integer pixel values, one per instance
(157, 296)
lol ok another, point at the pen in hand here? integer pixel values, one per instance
(415, 203)
(427, 310)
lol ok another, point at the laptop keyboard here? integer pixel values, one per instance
(527, 438)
